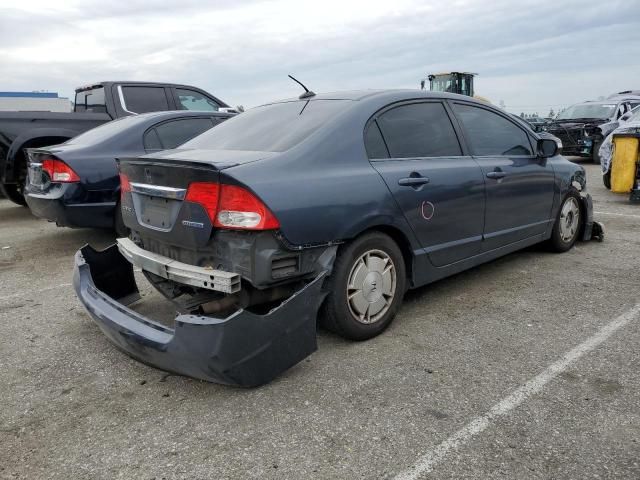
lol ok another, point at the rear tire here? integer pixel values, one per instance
(13, 193)
(365, 288)
(595, 154)
(568, 224)
(606, 179)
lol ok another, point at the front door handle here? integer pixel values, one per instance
(413, 181)
(496, 175)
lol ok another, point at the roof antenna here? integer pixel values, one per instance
(307, 93)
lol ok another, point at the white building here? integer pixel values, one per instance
(34, 102)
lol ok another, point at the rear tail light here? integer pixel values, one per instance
(207, 195)
(230, 206)
(125, 185)
(58, 171)
(240, 208)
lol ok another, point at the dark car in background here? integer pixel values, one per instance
(537, 123)
(583, 127)
(338, 202)
(76, 183)
(94, 105)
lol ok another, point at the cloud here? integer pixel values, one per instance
(535, 53)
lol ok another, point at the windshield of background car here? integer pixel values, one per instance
(91, 101)
(106, 131)
(270, 128)
(636, 115)
(588, 110)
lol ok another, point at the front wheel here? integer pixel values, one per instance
(568, 224)
(606, 179)
(365, 288)
(595, 154)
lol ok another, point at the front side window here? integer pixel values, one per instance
(175, 133)
(491, 134)
(192, 100)
(419, 130)
(145, 99)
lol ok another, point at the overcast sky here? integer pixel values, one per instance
(532, 55)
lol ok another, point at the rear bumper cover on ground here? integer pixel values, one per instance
(244, 349)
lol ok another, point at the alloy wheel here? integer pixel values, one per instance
(371, 287)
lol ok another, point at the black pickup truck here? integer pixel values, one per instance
(94, 104)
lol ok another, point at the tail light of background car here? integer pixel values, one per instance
(125, 185)
(230, 206)
(58, 171)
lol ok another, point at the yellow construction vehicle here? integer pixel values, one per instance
(452, 82)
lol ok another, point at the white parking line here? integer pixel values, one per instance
(31, 292)
(425, 463)
(617, 214)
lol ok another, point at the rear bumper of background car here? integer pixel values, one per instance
(55, 205)
(244, 349)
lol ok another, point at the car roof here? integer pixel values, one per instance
(182, 113)
(132, 82)
(610, 100)
(392, 94)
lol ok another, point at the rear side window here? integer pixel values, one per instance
(192, 100)
(374, 143)
(151, 140)
(91, 101)
(145, 99)
(271, 128)
(419, 130)
(491, 134)
(175, 133)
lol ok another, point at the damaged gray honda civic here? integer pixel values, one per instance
(324, 206)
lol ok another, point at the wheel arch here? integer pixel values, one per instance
(400, 238)
(41, 137)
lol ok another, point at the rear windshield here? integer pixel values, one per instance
(588, 110)
(91, 101)
(270, 128)
(107, 130)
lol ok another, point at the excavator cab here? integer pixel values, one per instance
(451, 82)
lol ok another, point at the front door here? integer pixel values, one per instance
(415, 149)
(519, 184)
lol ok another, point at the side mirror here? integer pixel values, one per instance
(625, 117)
(547, 147)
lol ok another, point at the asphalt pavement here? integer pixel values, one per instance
(526, 367)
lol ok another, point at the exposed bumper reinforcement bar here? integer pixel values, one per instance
(170, 269)
(244, 349)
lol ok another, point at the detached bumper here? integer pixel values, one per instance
(592, 230)
(244, 349)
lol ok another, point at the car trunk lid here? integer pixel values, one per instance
(155, 196)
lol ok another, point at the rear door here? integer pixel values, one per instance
(439, 189)
(142, 99)
(519, 184)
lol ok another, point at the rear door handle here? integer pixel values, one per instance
(496, 175)
(413, 181)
